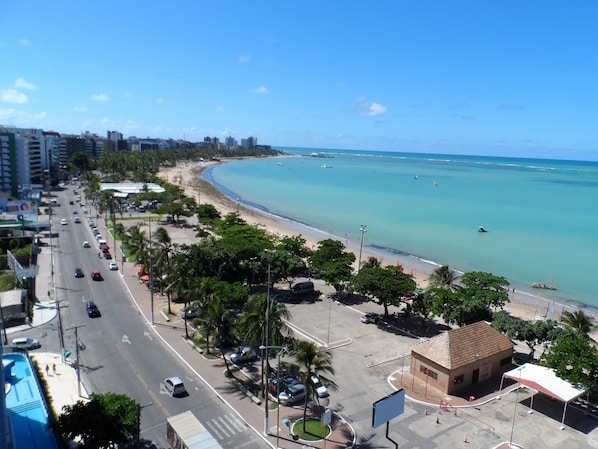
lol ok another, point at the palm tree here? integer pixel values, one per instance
(264, 322)
(372, 262)
(444, 277)
(313, 362)
(578, 321)
(217, 326)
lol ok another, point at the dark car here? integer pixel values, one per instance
(92, 310)
(79, 273)
(370, 317)
(107, 255)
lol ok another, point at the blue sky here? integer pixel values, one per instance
(512, 78)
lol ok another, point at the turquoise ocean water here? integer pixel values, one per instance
(541, 215)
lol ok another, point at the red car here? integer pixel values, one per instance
(96, 275)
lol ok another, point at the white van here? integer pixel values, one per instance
(26, 343)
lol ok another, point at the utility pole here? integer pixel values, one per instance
(363, 230)
(77, 355)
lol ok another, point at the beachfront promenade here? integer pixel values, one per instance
(429, 423)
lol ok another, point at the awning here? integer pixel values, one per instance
(544, 380)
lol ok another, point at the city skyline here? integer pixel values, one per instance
(494, 78)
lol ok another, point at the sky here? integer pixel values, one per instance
(496, 77)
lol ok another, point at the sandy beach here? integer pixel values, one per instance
(525, 305)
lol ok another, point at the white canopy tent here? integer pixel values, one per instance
(544, 380)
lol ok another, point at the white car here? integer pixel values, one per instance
(321, 389)
(112, 266)
(174, 386)
(64, 222)
(86, 244)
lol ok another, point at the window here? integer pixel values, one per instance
(428, 372)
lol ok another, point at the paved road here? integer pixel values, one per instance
(120, 352)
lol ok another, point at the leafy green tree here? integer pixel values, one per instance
(479, 296)
(79, 161)
(574, 359)
(105, 421)
(313, 362)
(207, 214)
(332, 263)
(578, 321)
(386, 286)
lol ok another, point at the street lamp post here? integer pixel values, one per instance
(281, 349)
(252, 259)
(139, 407)
(151, 273)
(363, 230)
(77, 355)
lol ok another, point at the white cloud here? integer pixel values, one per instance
(13, 96)
(24, 42)
(244, 59)
(100, 97)
(160, 101)
(260, 90)
(370, 109)
(80, 108)
(20, 83)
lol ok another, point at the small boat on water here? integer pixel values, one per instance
(326, 166)
(543, 286)
(482, 229)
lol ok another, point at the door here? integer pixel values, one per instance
(475, 376)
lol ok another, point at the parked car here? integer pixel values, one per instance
(245, 354)
(86, 244)
(321, 389)
(302, 288)
(92, 310)
(190, 314)
(370, 317)
(174, 386)
(112, 266)
(292, 394)
(26, 343)
(79, 273)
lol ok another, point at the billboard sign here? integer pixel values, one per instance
(388, 408)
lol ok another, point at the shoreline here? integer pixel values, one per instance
(523, 304)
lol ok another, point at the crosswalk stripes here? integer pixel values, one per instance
(225, 426)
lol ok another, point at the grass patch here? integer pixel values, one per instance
(314, 430)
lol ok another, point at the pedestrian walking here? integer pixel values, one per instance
(54, 368)
(47, 369)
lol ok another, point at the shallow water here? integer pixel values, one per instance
(539, 214)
